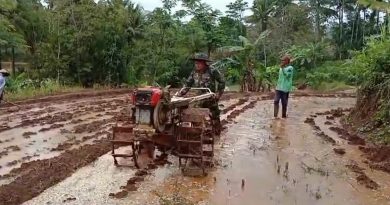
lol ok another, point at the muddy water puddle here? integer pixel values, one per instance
(259, 160)
(266, 161)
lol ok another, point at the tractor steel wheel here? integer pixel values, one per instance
(160, 117)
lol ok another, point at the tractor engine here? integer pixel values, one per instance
(149, 114)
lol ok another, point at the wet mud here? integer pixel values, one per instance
(50, 171)
(28, 134)
(92, 122)
(362, 178)
(32, 178)
(288, 166)
(320, 133)
(379, 157)
(340, 151)
(353, 139)
(68, 97)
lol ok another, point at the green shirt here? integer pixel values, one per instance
(285, 79)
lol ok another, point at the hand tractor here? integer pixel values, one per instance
(175, 125)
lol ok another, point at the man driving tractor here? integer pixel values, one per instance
(205, 76)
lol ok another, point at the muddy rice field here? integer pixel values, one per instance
(56, 150)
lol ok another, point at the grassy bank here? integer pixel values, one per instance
(22, 88)
(31, 92)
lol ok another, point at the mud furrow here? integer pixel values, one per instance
(162, 160)
(352, 139)
(71, 96)
(32, 178)
(36, 176)
(378, 156)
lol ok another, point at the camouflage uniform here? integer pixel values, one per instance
(211, 78)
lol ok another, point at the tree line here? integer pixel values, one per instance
(111, 42)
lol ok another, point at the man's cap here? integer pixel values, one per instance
(4, 72)
(201, 57)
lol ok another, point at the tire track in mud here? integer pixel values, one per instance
(352, 139)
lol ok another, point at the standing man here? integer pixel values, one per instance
(205, 76)
(284, 86)
(3, 74)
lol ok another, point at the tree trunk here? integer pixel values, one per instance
(59, 50)
(13, 61)
(377, 20)
(364, 25)
(209, 50)
(341, 18)
(357, 26)
(387, 22)
(353, 30)
(318, 21)
(372, 22)
(265, 55)
(264, 18)
(264, 22)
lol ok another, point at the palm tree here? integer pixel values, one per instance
(261, 12)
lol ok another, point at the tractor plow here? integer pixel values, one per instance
(174, 125)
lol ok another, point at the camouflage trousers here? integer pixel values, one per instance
(212, 105)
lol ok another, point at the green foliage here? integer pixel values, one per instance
(21, 87)
(271, 74)
(110, 42)
(334, 72)
(243, 61)
(379, 5)
(309, 56)
(8, 34)
(374, 92)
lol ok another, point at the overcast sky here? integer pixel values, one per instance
(216, 4)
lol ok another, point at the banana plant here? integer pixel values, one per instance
(242, 60)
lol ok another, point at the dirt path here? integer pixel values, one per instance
(57, 152)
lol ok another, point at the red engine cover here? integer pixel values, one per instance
(155, 97)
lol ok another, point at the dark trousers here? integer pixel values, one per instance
(214, 108)
(281, 96)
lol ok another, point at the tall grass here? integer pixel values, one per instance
(21, 88)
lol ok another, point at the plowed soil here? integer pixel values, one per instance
(47, 140)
